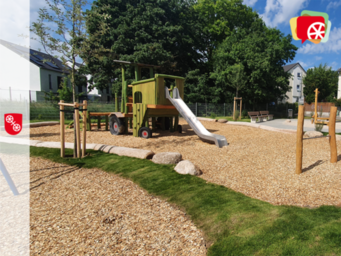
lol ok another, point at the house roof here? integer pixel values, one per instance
(39, 59)
(290, 66)
(339, 70)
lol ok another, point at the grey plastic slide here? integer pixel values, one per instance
(192, 120)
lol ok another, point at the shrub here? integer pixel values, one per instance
(318, 127)
(213, 115)
(244, 114)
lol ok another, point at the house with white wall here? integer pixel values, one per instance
(295, 82)
(339, 84)
(46, 72)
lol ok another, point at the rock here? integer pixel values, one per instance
(311, 134)
(222, 120)
(186, 167)
(99, 147)
(206, 119)
(288, 121)
(167, 158)
(132, 152)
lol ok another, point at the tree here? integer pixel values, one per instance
(159, 32)
(323, 78)
(61, 31)
(262, 51)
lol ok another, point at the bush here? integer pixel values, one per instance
(213, 115)
(318, 127)
(244, 114)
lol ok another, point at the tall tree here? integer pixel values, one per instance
(323, 78)
(262, 51)
(61, 31)
(159, 32)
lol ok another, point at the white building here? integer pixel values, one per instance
(295, 82)
(46, 73)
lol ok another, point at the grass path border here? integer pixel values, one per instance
(233, 223)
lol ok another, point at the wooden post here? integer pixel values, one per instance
(299, 139)
(89, 121)
(62, 130)
(234, 107)
(106, 122)
(153, 122)
(332, 138)
(78, 137)
(85, 105)
(176, 123)
(316, 96)
(99, 122)
(116, 103)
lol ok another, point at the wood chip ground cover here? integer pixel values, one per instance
(78, 211)
(257, 163)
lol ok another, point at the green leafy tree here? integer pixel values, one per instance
(323, 78)
(61, 31)
(262, 51)
(160, 32)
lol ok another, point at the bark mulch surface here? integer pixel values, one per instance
(88, 211)
(257, 163)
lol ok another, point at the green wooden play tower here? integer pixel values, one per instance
(147, 103)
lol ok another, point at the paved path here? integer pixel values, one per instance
(282, 124)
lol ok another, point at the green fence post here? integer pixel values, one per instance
(106, 122)
(88, 126)
(99, 122)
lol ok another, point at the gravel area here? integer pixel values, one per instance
(78, 211)
(257, 163)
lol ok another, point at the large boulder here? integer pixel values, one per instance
(312, 134)
(167, 158)
(222, 120)
(186, 167)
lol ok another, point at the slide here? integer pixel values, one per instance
(192, 120)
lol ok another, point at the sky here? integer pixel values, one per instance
(275, 13)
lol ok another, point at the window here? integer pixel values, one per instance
(50, 82)
(298, 74)
(60, 82)
(298, 88)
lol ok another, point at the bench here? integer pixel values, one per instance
(266, 116)
(254, 116)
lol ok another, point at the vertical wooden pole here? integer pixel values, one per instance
(106, 122)
(240, 111)
(99, 122)
(78, 137)
(299, 139)
(234, 107)
(85, 106)
(316, 96)
(62, 131)
(89, 121)
(116, 103)
(332, 138)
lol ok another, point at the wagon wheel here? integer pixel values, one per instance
(145, 132)
(116, 125)
(316, 30)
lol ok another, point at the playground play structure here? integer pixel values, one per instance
(330, 121)
(158, 98)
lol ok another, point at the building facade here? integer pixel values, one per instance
(295, 82)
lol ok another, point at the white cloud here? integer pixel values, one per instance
(318, 58)
(250, 2)
(333, 44)
(305, 64)
(333, 5)
(14, 21)
(334, 65)
(280, 11)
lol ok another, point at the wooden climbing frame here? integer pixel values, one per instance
(75, 106)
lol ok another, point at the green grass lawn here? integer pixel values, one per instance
(233, 223)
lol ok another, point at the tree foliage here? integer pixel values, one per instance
(323, 78)
(201, 40)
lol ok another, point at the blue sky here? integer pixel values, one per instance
(277, 13)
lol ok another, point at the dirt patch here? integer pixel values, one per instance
(257, 163)
(78, 211)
